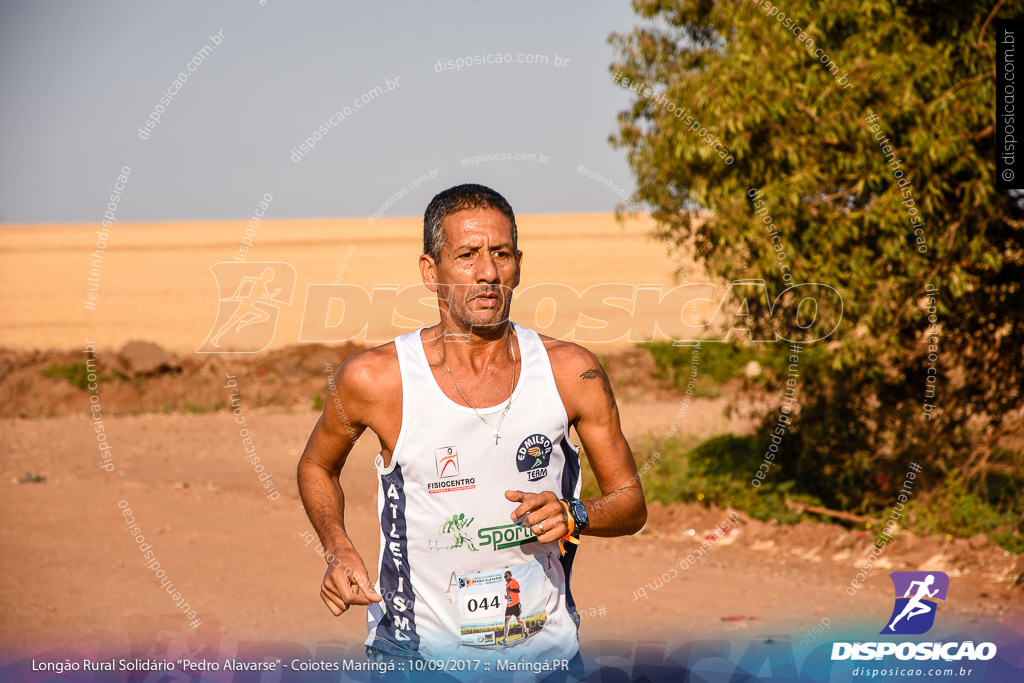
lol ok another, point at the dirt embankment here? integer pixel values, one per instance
(147, 379)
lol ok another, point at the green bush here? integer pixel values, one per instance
(718, 362)
(718, 471)
(78, 374)
(812, 168)
(190, 408)
(721, 470)
(721, 361)
(957, 509)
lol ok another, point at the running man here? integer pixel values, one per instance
(916, 604)
(473, 417)
(513, 608)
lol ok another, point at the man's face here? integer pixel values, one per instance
(477, 270)
(508, 577)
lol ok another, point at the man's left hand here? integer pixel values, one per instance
(544, 514)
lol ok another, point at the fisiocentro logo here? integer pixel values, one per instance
(913, 613)
(508, 536)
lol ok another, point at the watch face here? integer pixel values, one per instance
(580, 513)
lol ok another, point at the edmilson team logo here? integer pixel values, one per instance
(916, 596)
(533, 456)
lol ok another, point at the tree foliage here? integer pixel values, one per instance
(799, 133)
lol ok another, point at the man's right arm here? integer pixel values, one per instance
(347, 408)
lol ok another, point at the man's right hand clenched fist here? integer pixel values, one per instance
(347, 583)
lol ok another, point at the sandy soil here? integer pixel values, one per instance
(73, 576)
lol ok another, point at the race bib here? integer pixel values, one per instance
(487, 603)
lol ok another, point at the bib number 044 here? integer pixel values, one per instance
(482, 605)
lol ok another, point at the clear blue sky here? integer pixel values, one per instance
(79, 79)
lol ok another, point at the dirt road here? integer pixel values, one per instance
(246, 564)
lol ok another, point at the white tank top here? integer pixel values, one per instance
(446, 534)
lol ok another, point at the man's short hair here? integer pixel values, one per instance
(453, 200)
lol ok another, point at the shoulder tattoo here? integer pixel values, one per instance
(595, 373)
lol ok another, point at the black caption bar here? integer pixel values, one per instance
(1009, 125)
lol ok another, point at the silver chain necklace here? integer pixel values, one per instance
(508, 404)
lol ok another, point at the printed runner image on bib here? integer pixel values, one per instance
(490, 600)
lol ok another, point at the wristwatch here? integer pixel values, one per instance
(579, 514)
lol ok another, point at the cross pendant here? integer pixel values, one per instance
(496, 437)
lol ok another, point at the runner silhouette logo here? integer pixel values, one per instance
(917, 594)
(250, 298)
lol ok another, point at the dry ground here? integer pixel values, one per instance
(71, 577)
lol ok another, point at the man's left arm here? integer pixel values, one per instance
(590, 406)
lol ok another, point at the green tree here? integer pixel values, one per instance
(789, 99)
